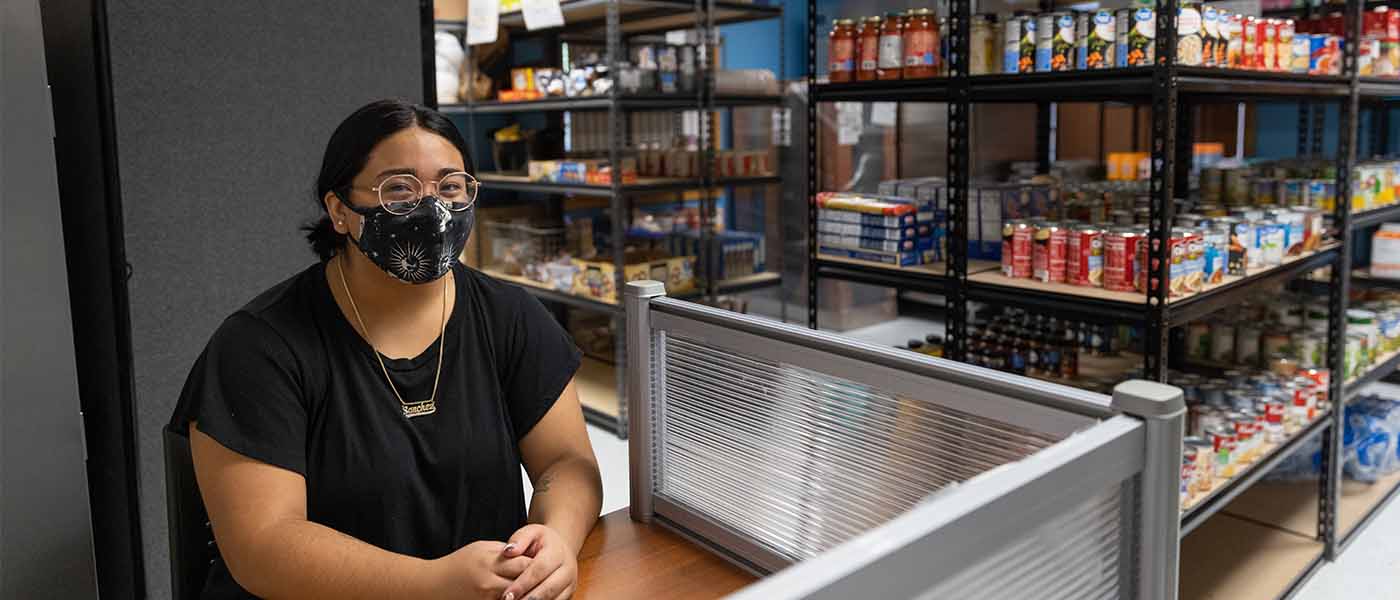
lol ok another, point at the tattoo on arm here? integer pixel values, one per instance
(545, 481)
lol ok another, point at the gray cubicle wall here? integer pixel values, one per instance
(221, 113)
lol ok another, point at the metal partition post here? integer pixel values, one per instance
(639, 389)
(1162, 409)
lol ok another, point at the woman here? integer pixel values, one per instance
(358, 430)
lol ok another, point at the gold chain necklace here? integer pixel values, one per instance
(410, 409)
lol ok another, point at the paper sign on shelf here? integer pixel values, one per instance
(541, 14)
(483, 18)
(883, 113)
(848, 123)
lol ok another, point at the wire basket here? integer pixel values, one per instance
(526, 250)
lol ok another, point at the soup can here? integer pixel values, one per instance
(1210, 34)
(1084, 262)
(1119, 255)
(1234, 43)
(1016, 237)
(1048, 252)
(1249, 43)
(1269, 238)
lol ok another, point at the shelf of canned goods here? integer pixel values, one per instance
(626, 74)
(1056, 282)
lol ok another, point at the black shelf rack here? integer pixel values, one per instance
(1172, 92)
(612, 23)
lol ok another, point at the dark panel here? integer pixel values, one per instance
(222, 111)
(83, 147)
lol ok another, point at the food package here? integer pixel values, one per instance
(595, 278)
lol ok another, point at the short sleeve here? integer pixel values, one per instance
(246, 392)
(541, 359)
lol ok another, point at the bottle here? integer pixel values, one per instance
(921, 48)
(891, 63)
(868, 49)
(1016, 354)
(842, 51)
(934, 344)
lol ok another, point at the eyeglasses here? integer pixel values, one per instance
(400, 194)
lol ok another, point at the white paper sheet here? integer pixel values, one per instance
(541, 14)
(883, 113)
(848, 123)
(483, 19)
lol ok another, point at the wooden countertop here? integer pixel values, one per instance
(625, 559)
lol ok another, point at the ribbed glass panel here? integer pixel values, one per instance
(1072, 556)
(800, 461)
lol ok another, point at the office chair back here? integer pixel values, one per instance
(192, 549)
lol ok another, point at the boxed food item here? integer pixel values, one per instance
(591, 171)
(595, 277)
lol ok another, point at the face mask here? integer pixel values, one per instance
(418, 247)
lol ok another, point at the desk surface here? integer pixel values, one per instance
(625, 559)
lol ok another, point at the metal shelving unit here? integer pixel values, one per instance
(612, 23)
(1172, 92)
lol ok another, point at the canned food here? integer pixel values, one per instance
(1136, 32)
(1247, 344)
(1203, 453)
(1198, 340)
(1190, 46)
(1276, 344)
(1223, 443)
(1048, 252)
(1249, 43)
(1084, 262)
(1312, 227)
(1263, 190)
(1283, 42)
(1120, 252)
(1312, 349)
(1224, 32)
(1016, 237)
(1222, 342)
(1265, 45)
(1234, 42)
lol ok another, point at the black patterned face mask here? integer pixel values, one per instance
(417, 247)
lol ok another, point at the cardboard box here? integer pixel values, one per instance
(595, 277)
(450, 10)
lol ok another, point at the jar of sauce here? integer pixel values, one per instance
(921, 48)
(868, 49)
(891, 62)
(842, 51)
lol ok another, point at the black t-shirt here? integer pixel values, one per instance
(286, 380)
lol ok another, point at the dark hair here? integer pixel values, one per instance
(348, 151)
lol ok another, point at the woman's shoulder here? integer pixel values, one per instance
(282, 313)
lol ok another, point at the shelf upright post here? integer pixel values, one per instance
(1164, 131)
(1329, 492)
(812, 165)
(709, 244)
(617, 205)
(959, 172)
(1304, 109)
(428, 29)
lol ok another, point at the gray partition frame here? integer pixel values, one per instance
(951, 529)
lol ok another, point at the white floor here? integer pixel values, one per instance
(1369, 569)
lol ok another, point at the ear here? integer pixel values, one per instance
(341, 217)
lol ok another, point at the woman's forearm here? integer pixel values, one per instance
(567, 498)
(301, 559)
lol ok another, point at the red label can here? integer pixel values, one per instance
(1265, 51)
(1119, 252)
(1249, 42)
(1084, 262)
(1016, 249)
(1048, 252)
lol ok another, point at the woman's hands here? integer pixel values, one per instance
(553, 570)
(480, 570)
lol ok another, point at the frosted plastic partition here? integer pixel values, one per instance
(780, 446)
